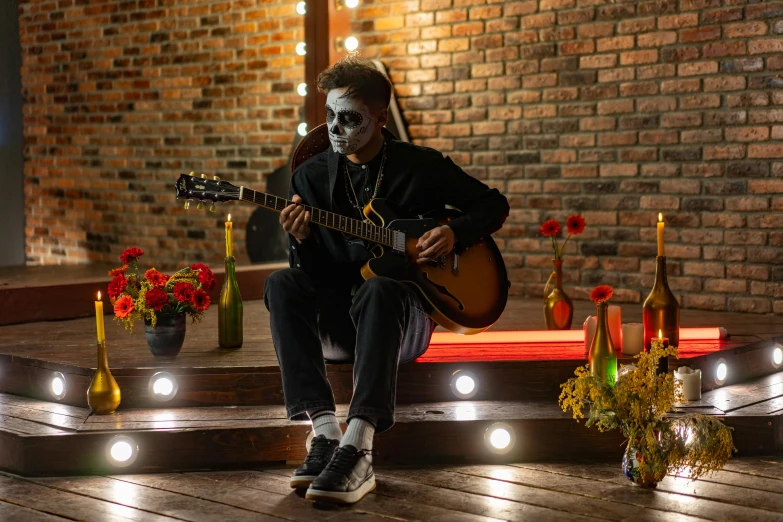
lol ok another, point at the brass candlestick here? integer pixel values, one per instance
(103, 395)
(661, 311)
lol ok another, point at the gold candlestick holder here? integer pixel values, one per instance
(103, 395)
(661, 310)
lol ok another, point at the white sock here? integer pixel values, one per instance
(359, 434)
(325, 423)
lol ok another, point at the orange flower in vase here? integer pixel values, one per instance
(558, 308)
(602, 356)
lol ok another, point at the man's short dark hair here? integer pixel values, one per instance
(361, 78)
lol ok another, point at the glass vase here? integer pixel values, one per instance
(602, 356)
(230, 313)
(103, 395)
(558, 308)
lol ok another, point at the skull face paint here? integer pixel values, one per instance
(349, 120)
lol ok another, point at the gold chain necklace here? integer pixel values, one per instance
(355, 203)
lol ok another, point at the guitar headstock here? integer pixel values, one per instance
(192, 187)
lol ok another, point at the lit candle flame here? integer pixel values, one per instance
(229, 217)
(660, 334)
(99, 295)
(660, 217)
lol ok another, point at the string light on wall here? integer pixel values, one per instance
(350, 4)
(301, 8)
(301, 48)
(301, 89)
(302, 129)
(349, 44)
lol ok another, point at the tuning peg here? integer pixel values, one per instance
(200, 205)
(216, 178)
(187, 204)
(212, 207)
(191, 174)
(204, 176)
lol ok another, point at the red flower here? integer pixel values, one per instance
(200, 300)
(131, 254)
(205, 275)
(117, 286)
(157, 299)
(120, 270)
(575, 224)
(601, 294)
(156, 278)
(184, 292)
(550, 228)
(123, 307)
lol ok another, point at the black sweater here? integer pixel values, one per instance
(416, 181)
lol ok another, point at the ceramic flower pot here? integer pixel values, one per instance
(165, 340)
(631, 468)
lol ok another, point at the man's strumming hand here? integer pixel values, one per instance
(295, 220)
(435, 243)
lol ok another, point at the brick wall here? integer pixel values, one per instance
(123, 95)
(617, 110)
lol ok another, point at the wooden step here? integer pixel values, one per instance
(45, 438)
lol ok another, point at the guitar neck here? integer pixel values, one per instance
(326, 219)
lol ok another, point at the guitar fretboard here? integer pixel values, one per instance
(331, 220)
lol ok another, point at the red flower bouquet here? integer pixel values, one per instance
(153, 294)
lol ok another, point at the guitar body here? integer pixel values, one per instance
(467, 291)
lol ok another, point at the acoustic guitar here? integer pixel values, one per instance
(468, 291)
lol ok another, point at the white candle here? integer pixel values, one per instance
(633, 338)
(589, 329)
(616, 327)
(691, 382)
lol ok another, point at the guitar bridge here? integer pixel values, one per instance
(398, 242)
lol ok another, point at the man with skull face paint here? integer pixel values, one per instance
(321, 309)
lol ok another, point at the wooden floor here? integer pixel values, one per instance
(748, 489)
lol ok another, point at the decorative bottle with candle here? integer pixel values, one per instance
(103, 395)
(230, 314)
(661, 310)
(602, 356)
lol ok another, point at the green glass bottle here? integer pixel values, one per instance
(602, 356)
(230, 310)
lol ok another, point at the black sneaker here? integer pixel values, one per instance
(347, 478)
(321, 451)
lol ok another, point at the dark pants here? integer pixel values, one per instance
(382, 325)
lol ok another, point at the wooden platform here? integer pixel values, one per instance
(748, 489)
(209, 376)
(47, 293)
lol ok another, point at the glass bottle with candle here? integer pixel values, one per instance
(230, 312)
(103, 394)
(661, 310)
